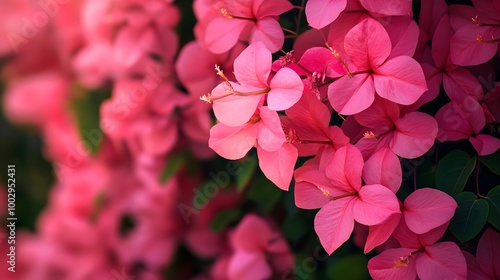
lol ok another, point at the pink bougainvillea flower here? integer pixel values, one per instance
(408, 136)
(252, 21)
(258, 250)
(320, 13)
(235, 103)
(485, 264)
(423, 210)
(308, 127)
(477, 33)
(465, 120)
(342, 197)
(277, 156)
(368, 70)
(420, 256)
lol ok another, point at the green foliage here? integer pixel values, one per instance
(248, 167)
(353, 267)
(174, 163)
(493, 199)
(264, 194)
(224, 218)
(470, 216)
(492, 162)
(453, 170)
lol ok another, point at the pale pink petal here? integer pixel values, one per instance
(320, 13)
(488, 253)
(380, 233)
(383, 168)
(286, 90)
(221, 34)
(234, 110)
(485, 144)
(345, 168)
(334, 223)
(245, 265)
(253, 66)
(442, 261)
(388, 8)
(367, 44)
(425, 209)
(270, 135)
(351, 95)
(374, 204)
(383, 266)
(269, 32)
(278, 166)
(400, 80)
(414, 135)
(232, 142)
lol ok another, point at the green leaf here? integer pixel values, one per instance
(492, 162)
(264, 194)
(493, 199)
(352, 267)
(297, 226)
(173, 165)
(453, 170)
(247, 171)
(224, 219)
(85, 108)
(470, 217)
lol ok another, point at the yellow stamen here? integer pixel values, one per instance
(369, 135)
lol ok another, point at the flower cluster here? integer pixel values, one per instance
(374, 112)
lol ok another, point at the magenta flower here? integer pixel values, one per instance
(420, 256)
(485, 265)
(368, 69)
(342, 197)
(408, 136)
(253, 22)
(235, 103)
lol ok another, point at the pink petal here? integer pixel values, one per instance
(383, 168)
(345, 169)
(414, 135)
(453, 124)
(461, 83)
(253, 66)
(334, 223)
(442, 261)
(367, 44)
(270, 136)
(278, 166)
(232, 142)
(251, 234)
(388, 8)
(466, 50)
(430, 14)
(485, 144)
(263, 8)
(378, 234)
(488, 253)
(382, 267)
(245, 265)
(375, 204)
(269, 32)
(320, 13)
(403, 32)
(474, 272)
(380, 116)
(234, 110)
(309, 196)
(222, 34)
(400, 80)
(351, 95)
(441, 42)
(427, 208)
(317, 59)
(286, 90)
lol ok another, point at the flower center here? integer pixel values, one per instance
(226, 14)
(405, 260)
(228, 87)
